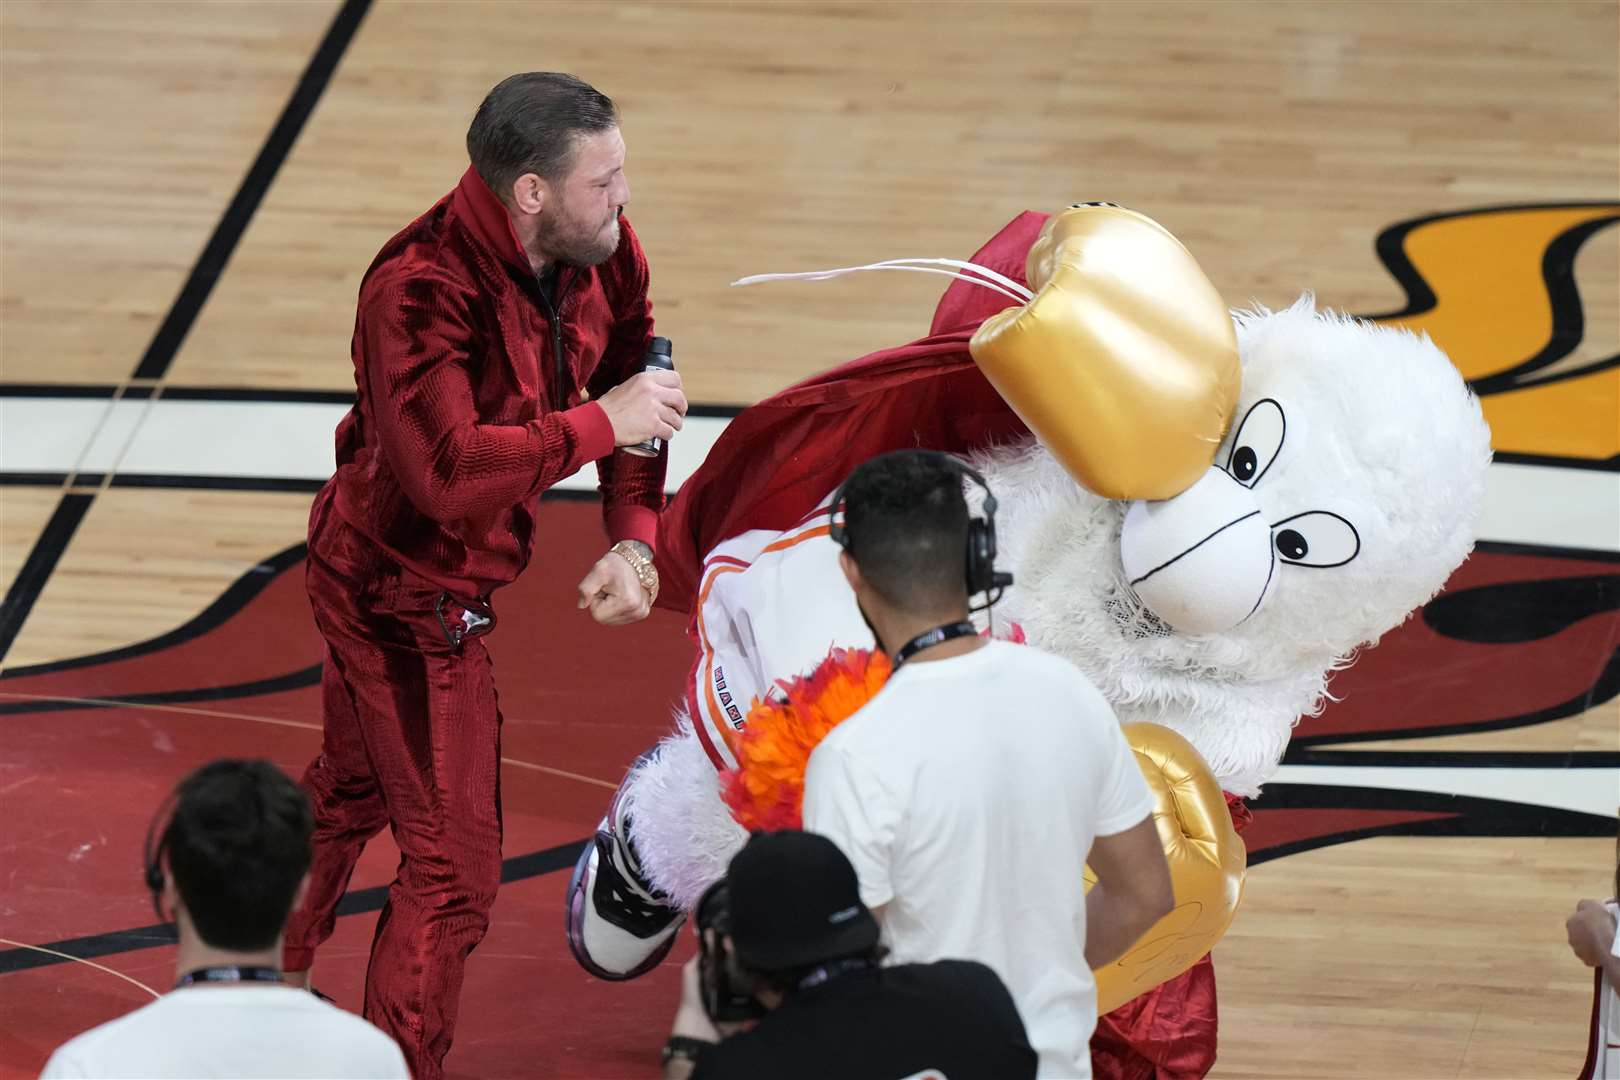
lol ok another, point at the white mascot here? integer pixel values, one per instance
(1207, 513)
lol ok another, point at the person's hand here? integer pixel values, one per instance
(690, 1019)
(645, 406)
(1591, 932)
(613, 592)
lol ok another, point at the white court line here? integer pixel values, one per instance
(1552, 507)
(532, 767)
(103, 425)
(1538, 505)
(80, 960)
(278, 722)
(48, 434)
(1584, 790)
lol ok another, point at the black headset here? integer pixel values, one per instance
(982, 575)
(155, 847)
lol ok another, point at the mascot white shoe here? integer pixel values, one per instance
(1207, 513)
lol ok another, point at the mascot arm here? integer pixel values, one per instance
(1207, 862)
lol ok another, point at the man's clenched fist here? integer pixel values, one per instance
(613, 593)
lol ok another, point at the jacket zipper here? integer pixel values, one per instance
(559, 366)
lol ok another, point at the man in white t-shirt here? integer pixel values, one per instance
(972, 789)
(227, 868)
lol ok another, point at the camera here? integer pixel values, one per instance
(724, 1001)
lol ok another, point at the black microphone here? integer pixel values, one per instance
(657, 359)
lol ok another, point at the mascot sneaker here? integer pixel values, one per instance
(618, 927)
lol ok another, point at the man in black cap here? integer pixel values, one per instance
(786, 927)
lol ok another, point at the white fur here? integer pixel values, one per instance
(684, 835)
(1381, 430)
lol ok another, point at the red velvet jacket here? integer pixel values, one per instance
(464, 412)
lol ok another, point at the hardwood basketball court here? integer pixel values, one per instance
(190, 192)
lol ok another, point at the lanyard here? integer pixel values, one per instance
(939, 635)
(231, 974)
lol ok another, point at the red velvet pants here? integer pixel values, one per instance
(412, 741)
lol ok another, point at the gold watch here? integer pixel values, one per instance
(646, 573)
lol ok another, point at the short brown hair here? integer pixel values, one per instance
(530, 123)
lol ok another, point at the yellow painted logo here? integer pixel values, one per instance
(1496, 289)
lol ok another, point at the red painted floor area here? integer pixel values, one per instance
(1507, 645)
(81, 784)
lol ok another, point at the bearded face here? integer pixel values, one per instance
(580, 223)
(579, 236)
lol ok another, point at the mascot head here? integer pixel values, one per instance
(1345, 492)
(1393, 446)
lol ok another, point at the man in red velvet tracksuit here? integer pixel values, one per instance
(497, 349)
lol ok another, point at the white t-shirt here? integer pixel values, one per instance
(234, 1031)
(967, 794)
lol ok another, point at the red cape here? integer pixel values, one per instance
(779, 457)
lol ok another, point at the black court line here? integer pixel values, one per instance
(247, 394)
(218, 483)
(211, 263)
(355, 902)
(1456, 759)
(56, 390)
(215, 615)
(1515, 612)
(1510, 547)
(33, 479)
(36, 569)
(1508, 457)
(1464, 815)
(275, 684)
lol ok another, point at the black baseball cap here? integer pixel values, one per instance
(795, 901)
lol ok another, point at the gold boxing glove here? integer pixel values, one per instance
(1207, 862)
(1125, 363)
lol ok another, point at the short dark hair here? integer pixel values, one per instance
(906, 521)
(237, 846)
(531, 123)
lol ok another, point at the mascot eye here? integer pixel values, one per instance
(1257, 441)
(1315, 538)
